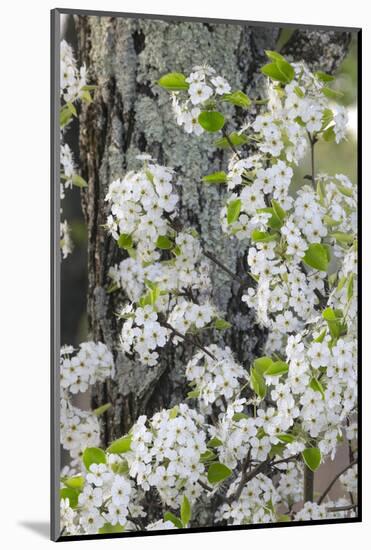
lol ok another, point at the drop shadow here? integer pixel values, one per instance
(42, 528)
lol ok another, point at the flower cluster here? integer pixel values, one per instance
(204, 86)
(73, 80)
(166, 453)
(92, 363)
(214, 377)
(138, 204)
(256, 504)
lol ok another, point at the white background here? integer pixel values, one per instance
(24, 271)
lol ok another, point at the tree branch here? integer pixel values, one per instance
(332, 483)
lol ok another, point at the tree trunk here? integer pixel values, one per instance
(129, 115)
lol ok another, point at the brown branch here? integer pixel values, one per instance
(189, 339)
(332, 483)
(342, 508)
(224, 132)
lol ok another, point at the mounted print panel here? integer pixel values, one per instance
(205, 194)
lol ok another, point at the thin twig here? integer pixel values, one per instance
(188, 339)
(330, 486)
(224, 132)
(342, 508)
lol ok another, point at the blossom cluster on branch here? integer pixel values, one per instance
(249, 435)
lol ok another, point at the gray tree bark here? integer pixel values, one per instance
(129, 115)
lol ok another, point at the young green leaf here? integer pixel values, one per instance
(316, 385)
(316, 256)
(218, 472)
(78, 181)
(211, 121)
(109, 528)
(235, 139)
(102, 409)
(185, 511)
(237, 98)
(121, 445)
(331, 94)
(215, 177)
(324, 77)
(277, 369)
(233, 210)
(164, 243)
(75, 482)
(168, 516)
(214, 442)
(221, 324)
(93, 455)
(125, 241)
(312, 458)
(257, 383)
(262, 364)
(173, 82)
(71, 494)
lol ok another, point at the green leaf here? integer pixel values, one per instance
(332, 321)
(324, 77)
(93, 455)
(121, 445)
(173, 82)
(331, 94)
(173, 413)
(164, 243)
(71, 494)
(321, 337)
(109, 528)
(125, 241)
(233, 210)
(78, 181)
(185, 511)
(237, 98)
(214, 442)
(218, 472)
(350, 287)
(277, 369)
(66, 113)
(102, 409)
(168, 516)
(280, 70)
(327, 117)
(89, 88)
(274, 56)
(207, 456)
(262, 236)
(75, 482)
(312, 458)
(342, 238)
(316, 385)
(299, 92)
(257, 383)
(215, 177)
(286, 438)
(221, 324)
(329, 134)
(120, 468)
(239, 416)
(211, 121)
(274, 221)
(344, 190)
(86, 97)
(261, 364)
(316, 256)
(278, 210)
(194, 394)
(235, 139)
